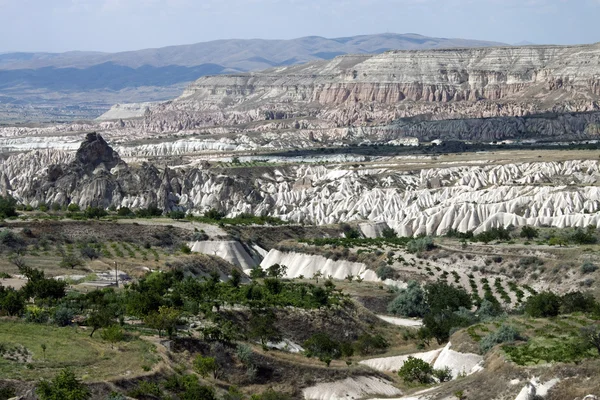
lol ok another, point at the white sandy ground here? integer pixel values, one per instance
(286, 345)
(459, 363)
(350, 388)
(401, 321)
(535, 388)
(230, 251)
(395, 363)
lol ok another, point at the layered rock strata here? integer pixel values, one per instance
(430, 201)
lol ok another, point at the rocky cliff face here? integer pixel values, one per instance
(367, 90)
(429, 200)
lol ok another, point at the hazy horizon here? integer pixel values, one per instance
(124, 25)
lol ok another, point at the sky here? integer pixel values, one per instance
(119, 25)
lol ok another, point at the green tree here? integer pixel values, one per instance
(12, 301)
(112, 334)
(388, 233)
(544, 304)
(415, 370)
(7, 207)
(529, 232)
(262, 327)
(277, 271)
(41, 288)
(206, 365)
(323, 347)
(409, 302)
(443, 301)
(73, 207)
(99, 319)
(95, 212)
(165, 319)
(65, 386)
(70, 261)
(591, 334)
(235, 278)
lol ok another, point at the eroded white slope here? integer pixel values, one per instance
(350, 388)
(307, 265)
(231, 251)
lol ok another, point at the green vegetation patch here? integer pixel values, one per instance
(90, 358)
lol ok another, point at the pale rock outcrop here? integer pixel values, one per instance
(350, 388)
(229, 250)
(307, 265)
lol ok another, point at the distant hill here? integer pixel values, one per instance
(102, 79)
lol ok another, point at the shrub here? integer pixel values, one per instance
(63, 316)
(125, 212)
(73, 207)
(588, 268)
(545, 304)
(7, 207)
(95, 212)
(64, 386)
(529, 232)
(415, 370)
(177, 214)
(421, 244)
(214, 214)
(443, 375)
(322, 346)
(410, 302)
(89, 252)
(504, 334)
(388, 233)
(368, 344)
(70, 261)
(577, 302)
(385, 272)
(206, 365)
(112, 334)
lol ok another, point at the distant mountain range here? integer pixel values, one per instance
(102, 79)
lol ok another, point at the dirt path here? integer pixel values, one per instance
(211, 230)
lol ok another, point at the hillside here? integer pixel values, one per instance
(72, 81)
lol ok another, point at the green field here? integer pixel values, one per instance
(90, 358)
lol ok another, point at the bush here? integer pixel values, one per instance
(177, 214)
(504, 334)
(322, 346)
(125, 212)
(70, 261)
(95, 212)
(73, 207)
(7, 207)
(588, 268)
(529, 232)
(12, 301)
(369, 344)
(443, 375)
(385, 272)
(64, 386)
(388, 233)
(63, 316)
(545, 304)
(419, 245)
(205, 366)
(89, 252)
(410, 302)
(415, 370)
(214, 214)
(578, 302)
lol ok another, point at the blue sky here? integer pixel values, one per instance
(117, 25)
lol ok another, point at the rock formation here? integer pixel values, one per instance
(423, 201)
(376, 90)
